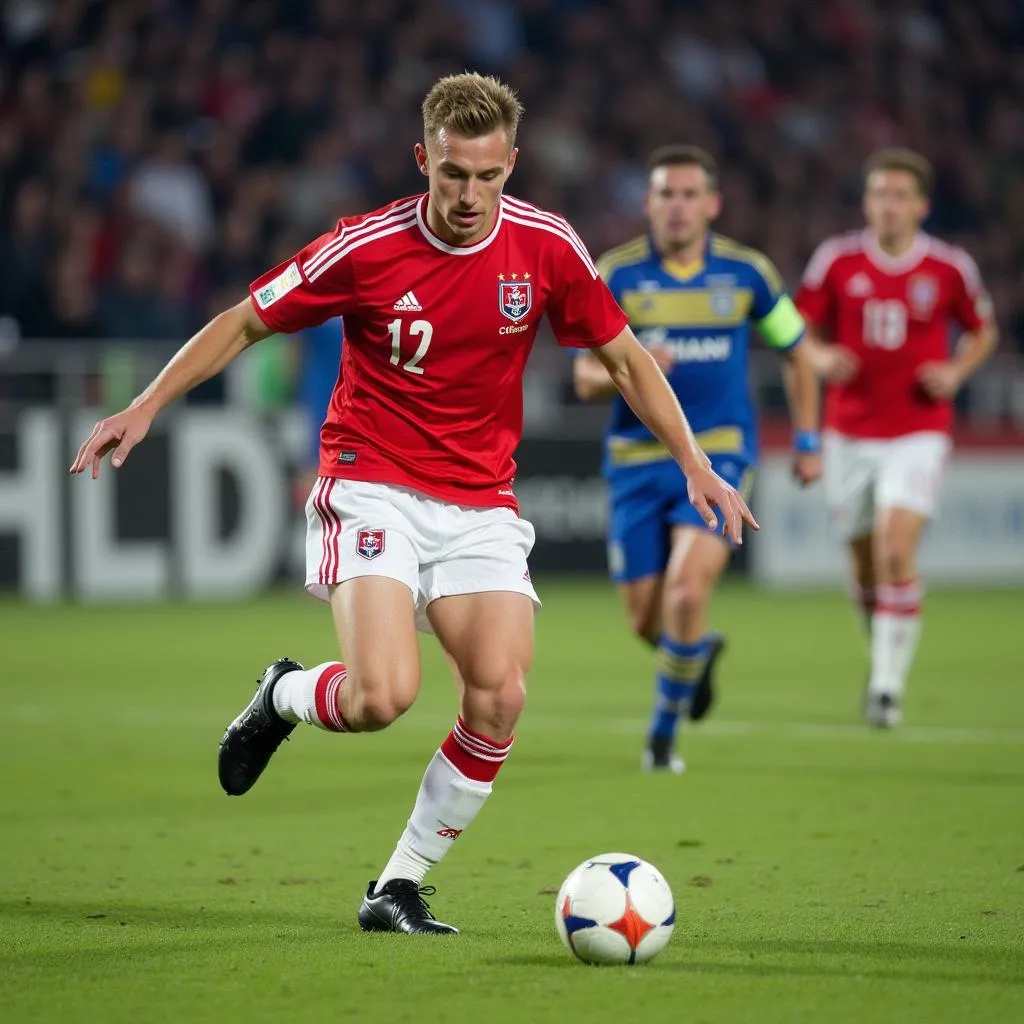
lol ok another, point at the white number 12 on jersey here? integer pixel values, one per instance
(422, 329)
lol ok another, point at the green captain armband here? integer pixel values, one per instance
(783, 326)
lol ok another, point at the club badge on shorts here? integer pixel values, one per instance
(370, 543)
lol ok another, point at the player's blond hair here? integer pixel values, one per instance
(471, 105)
(906, 160)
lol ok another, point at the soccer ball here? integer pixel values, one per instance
(615, 909)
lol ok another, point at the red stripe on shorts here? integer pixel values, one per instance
(335, 538)
(325, 526)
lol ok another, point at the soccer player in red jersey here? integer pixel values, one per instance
(413, 520)
(885, 299)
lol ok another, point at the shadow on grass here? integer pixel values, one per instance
(99, 911)
(71, 935)
(82, 935)
(1010, 778)
(823, 958)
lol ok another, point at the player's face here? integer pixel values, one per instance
(893, 204)
(466, 178)
(680, 204)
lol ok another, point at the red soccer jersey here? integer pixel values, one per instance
(894, 313)
(430, 392)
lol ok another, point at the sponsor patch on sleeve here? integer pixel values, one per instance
(280, 286)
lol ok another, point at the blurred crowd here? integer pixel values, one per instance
(156, 155)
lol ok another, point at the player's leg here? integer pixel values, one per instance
(489, 642)
(907, 495)
(742, 477)
(896, 624)
(863, 582)
(373, 686)
(642, 600)
(481, 607)
(851, 469)
(714, 558)
(638, 547)
(685, 646)
(378, 681)
(697, 562)
(370, 577)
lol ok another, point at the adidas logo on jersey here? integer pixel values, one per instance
(408, 303)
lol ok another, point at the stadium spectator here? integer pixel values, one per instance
(209, 113)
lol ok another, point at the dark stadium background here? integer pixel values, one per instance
(156, 155)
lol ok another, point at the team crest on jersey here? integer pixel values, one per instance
(859, 286)
(723, 301)
(515, 299)
(922, 294)
(370, 543)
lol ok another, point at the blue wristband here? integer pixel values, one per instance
(807, 442)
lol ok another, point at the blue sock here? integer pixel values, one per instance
(679, 669)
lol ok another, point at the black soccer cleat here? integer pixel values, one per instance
(251, 739)
(400, 907)
(660, 756)
(704, 695)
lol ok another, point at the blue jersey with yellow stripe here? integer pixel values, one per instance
(702, 313)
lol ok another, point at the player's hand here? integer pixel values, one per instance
(807, 467)
(119, 433)
(706, 488)
(940, 381)
(836, 364)
(663, 357)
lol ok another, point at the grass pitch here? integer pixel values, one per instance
(822, 872)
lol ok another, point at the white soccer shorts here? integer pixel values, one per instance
(863, 476)
(355, 528)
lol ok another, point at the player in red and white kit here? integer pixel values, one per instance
(886, 298)
(413, 519)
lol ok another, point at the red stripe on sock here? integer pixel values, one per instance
(325, 696)
(476, 756)
(900, 611)
(903, 599)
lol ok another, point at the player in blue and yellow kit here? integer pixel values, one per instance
(690, 296)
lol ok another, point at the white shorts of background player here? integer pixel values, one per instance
(863, 476)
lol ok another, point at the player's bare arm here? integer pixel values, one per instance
(802, 395)
(642, 384)
(203, 356)
(834, 364)
(592, 382)
(942, 380)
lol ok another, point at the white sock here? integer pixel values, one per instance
(455, 786)
(895, 629)
(311, 696)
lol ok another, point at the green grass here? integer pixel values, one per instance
(821, 872)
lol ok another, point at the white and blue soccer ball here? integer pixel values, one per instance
(615, 909)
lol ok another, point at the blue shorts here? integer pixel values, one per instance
(646, 502)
